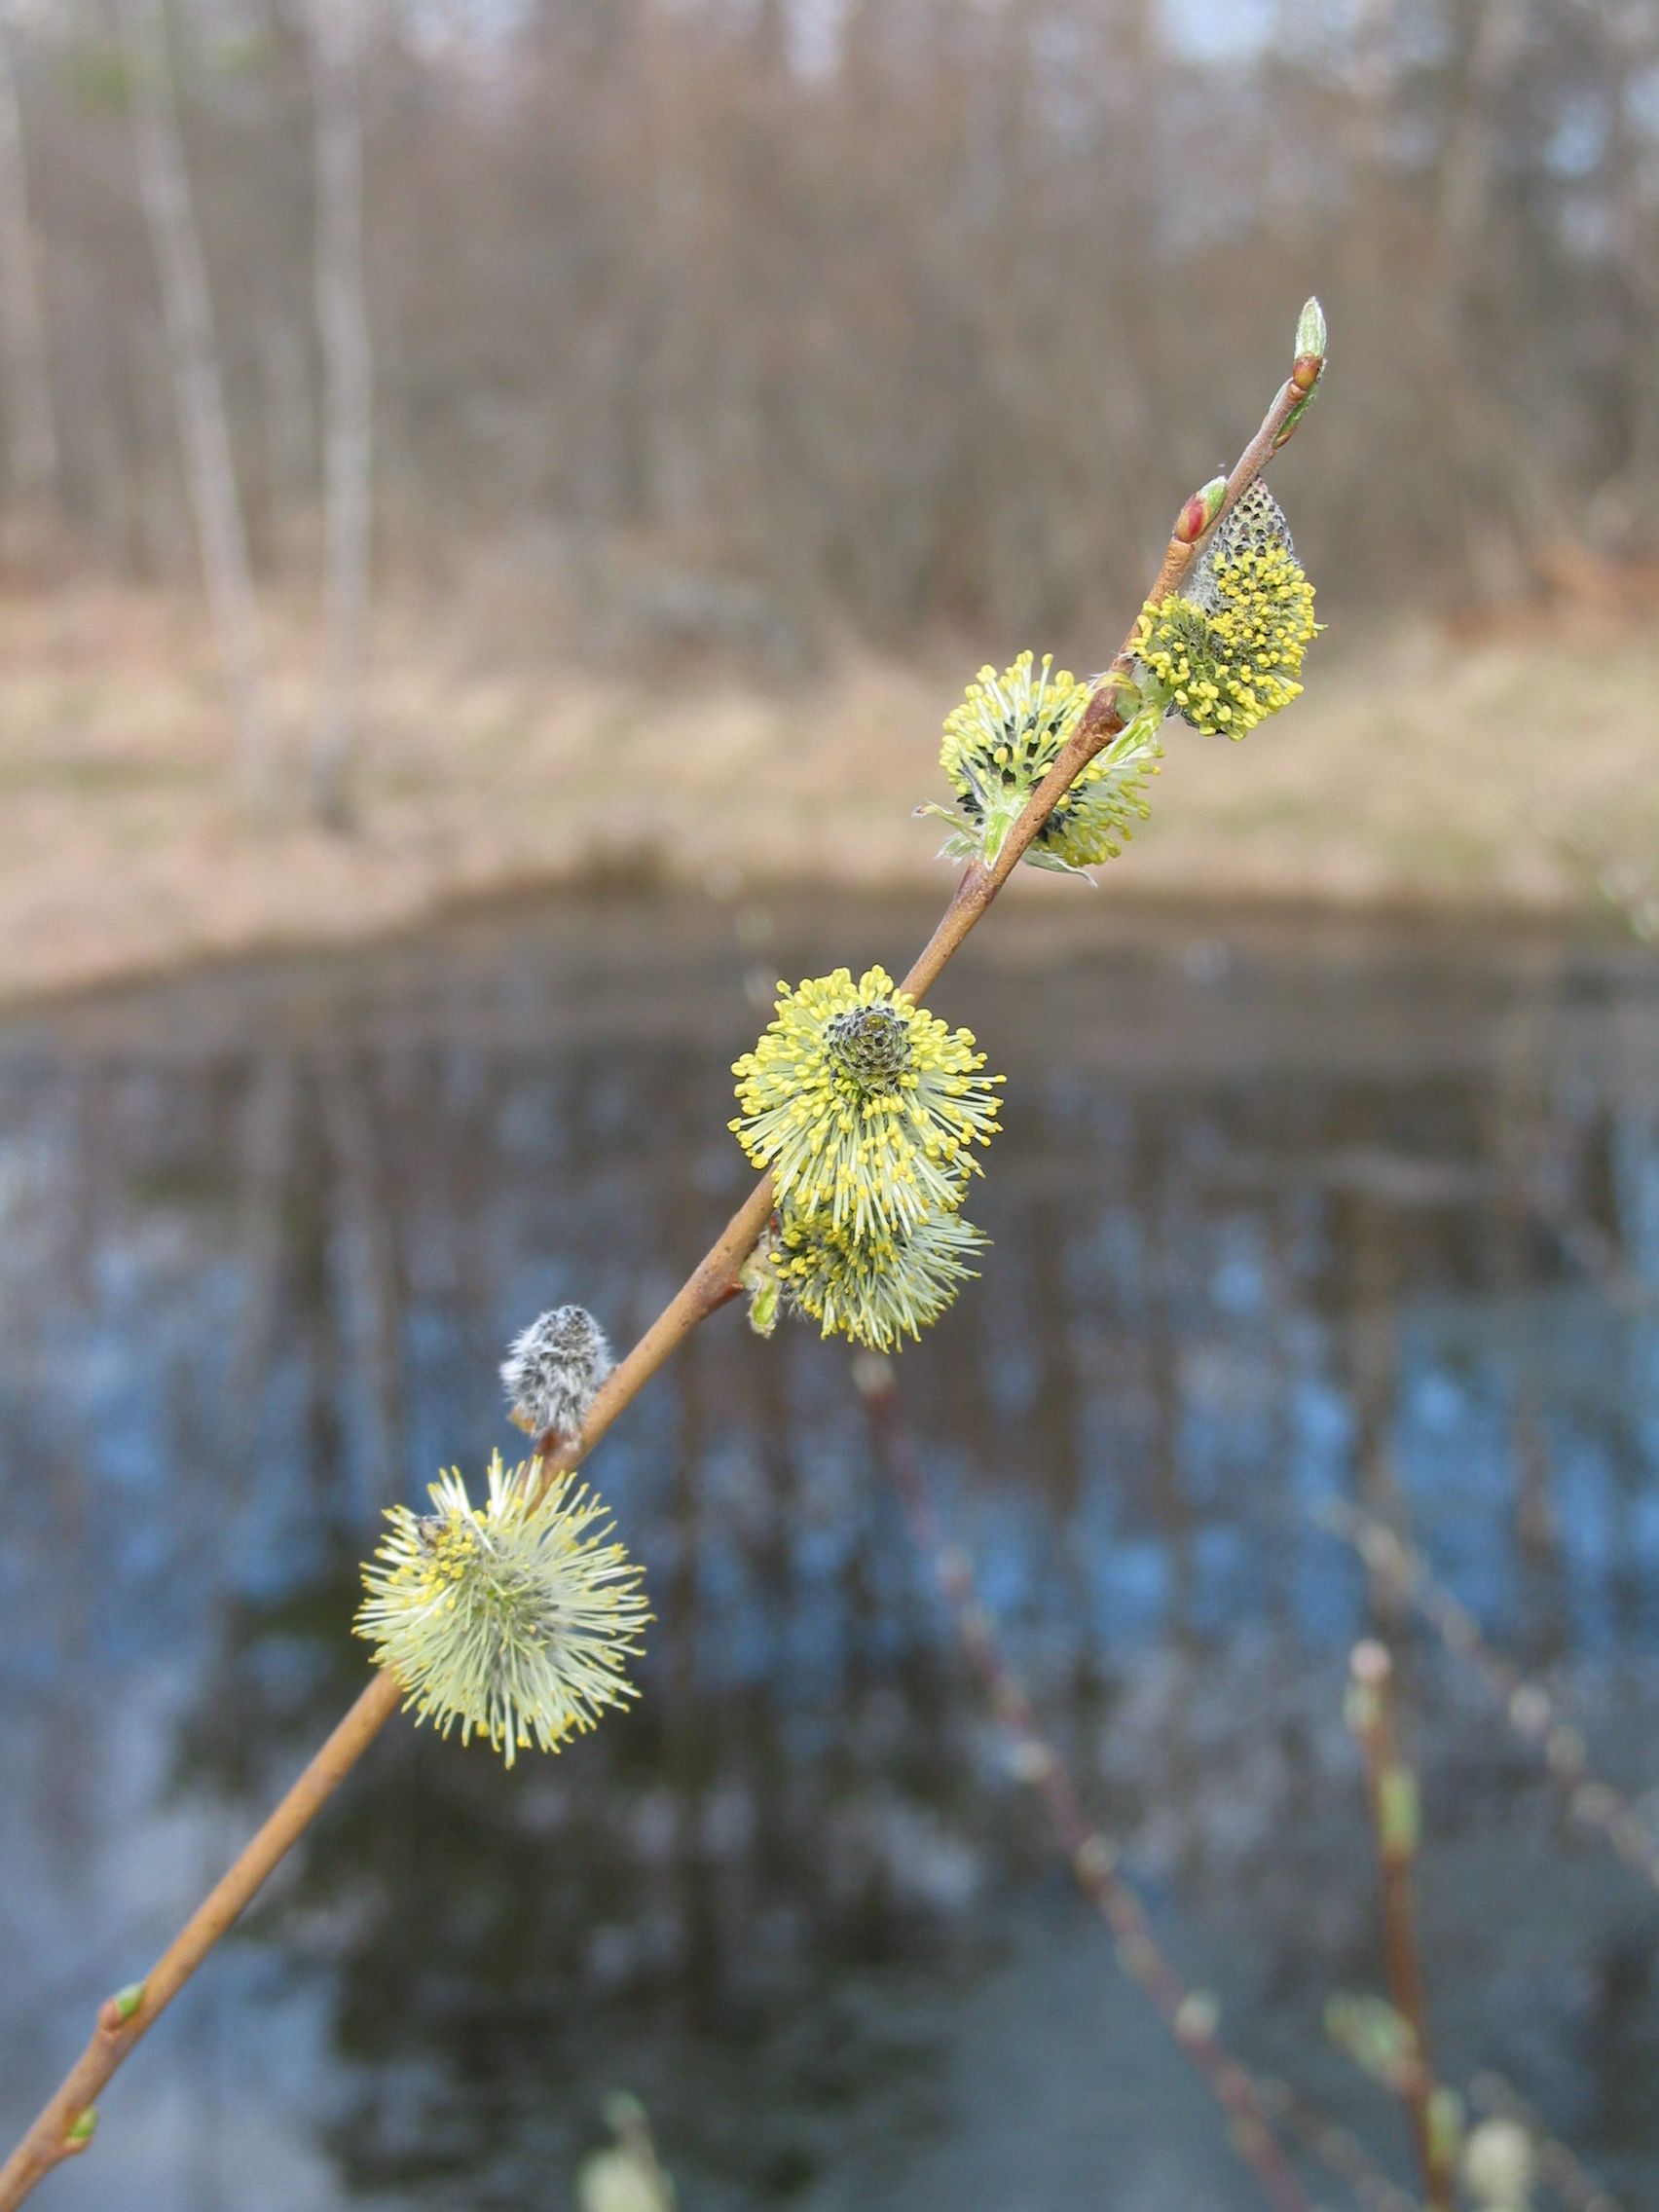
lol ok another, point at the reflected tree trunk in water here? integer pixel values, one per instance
(773, 1433)
(1155, 1178)
(315, 1298)
(369, 1217)
(264, 1171)
(1050, 1452)
(690, 1749)
(1514, 1145)
(1366, 1233)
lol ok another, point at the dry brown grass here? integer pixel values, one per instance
(492, 765)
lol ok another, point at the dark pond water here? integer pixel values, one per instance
(1281, 1218)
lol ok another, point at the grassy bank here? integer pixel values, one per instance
(492, 765)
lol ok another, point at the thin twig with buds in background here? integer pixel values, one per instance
(1578, 2187)
(1188, 2015)
(1526, 1704)
(1393, 1794)
(65, 2124)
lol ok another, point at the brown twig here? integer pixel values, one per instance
(1339, 2151)
(1391, 1789)
(1527, 1703)
(1188, 2015)
(64, 2124)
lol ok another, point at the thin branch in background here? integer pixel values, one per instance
(336, 36)
(1393, 1794)
(1337, 2149)
(64, 2124)
(1188, 2015)
(1527, 1703)
(1572, 2182)
(198, 393)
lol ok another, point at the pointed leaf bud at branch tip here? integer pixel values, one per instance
(1310, 344)
(1200, 511)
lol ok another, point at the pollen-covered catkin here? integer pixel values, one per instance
(1227, 653)
(1002, 741)
(516, 1619)
(866, 1107)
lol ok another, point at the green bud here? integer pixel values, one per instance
(1122, 692)
(1398, 1817)
(83, 2130)
(1309, 346)
(120, 2009)
(759, 1277)
(1359, 1709)
(1445, 2126)
(1287, 428)
(1378, 2039)
(1201, 511)
(763, 1307)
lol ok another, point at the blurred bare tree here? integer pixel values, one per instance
(198, 386)
(31, 434)
(347, 371)
(871, 304)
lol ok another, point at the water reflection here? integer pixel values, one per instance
(1278, 1218)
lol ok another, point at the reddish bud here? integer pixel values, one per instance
(1200, 511)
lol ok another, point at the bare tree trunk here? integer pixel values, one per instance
(204, 430)
(335, 40)
(31, 436)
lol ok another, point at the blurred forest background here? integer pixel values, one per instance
(583, 410)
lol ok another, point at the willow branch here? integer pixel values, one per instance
(1188, 2016)
(1391, 1792)
(1527, 1703)
(1337, 2149)
(64, 2124)
(1101, 721)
